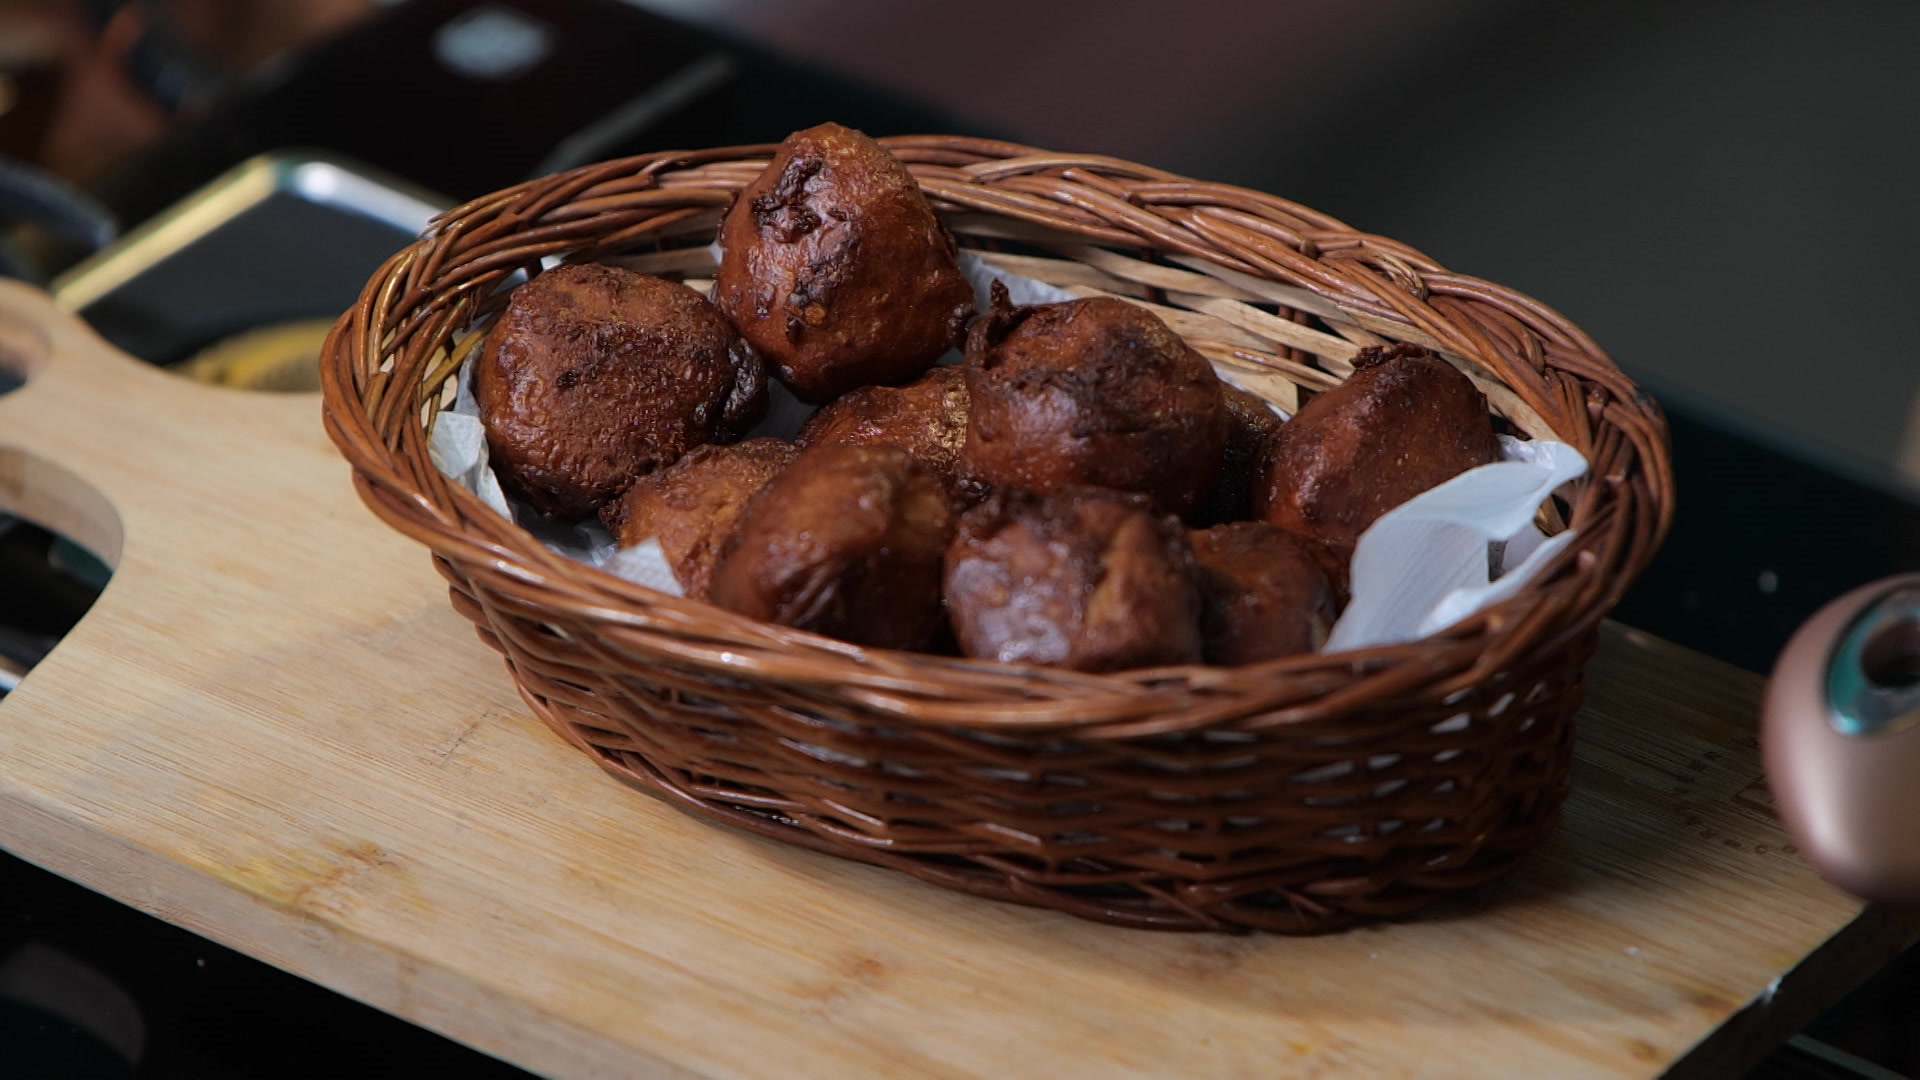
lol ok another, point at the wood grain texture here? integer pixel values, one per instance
(272, 729)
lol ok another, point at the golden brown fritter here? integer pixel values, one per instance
(1083, 578)
(1250, 423)
(691, 506)
(927, 418)
(1266, 594)
(1091, 392)
(835, 268)
(1403, 422)
(595, 376)
(846, 541)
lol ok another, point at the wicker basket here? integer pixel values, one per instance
(1297, 795)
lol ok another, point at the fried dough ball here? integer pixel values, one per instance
(1091, 392)
(836, 269)
(1250, 423)
(846, 541)
(691, 506)
(927, 418)
(1403, 422)
(1083, 578)
(595, 376)
(1266, 593)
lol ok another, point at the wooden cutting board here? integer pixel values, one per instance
(273, 730)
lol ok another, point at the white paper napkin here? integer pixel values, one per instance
(1430, 562)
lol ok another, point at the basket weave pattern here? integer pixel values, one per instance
(1298, 795)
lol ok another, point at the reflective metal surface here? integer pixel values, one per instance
(280, 237)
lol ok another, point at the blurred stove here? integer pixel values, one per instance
(465, 97)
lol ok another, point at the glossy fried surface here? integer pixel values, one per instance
(1403, 422)
(846, 541)
(836, 269)
(691, 506)
(1092, 392)
(1250, 423)
(1266, 593)
(1083, 578)
(927, 418)
(595, 375)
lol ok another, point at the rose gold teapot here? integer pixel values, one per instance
(1841, 735)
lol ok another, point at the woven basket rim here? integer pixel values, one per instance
(1622, 509)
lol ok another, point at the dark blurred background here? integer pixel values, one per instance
(1719, 192)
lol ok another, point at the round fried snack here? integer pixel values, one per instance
(846, 541)
(1250, 423)
(1091, 392)
(1403, 422)
(835, 268)
(691, 506)
(595, 376)
(1083, 578)
(927, 418)
(1266, 593)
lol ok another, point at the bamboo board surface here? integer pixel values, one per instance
(273, 729)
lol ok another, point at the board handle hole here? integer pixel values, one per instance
(23, 351)
(59, 539)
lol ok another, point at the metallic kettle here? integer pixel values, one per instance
(1840, 731)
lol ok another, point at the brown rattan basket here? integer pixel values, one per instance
(1298, 795)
